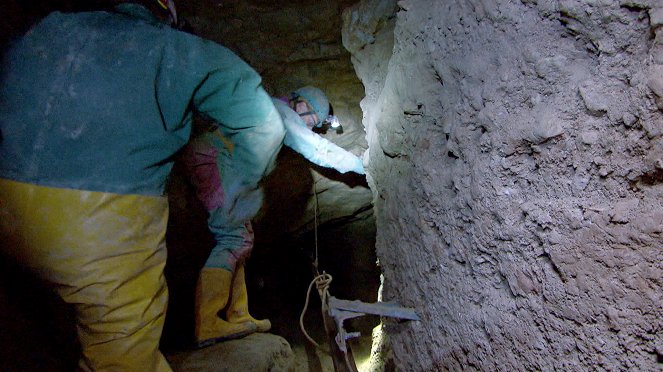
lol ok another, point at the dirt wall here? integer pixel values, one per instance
(516, 160)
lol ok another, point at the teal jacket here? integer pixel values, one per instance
(102, 101)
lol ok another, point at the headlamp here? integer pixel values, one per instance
(333, 121)
(330, 122)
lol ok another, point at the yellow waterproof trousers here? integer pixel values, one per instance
(105, 254)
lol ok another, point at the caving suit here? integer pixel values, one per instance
(93, 107)
(208, 162)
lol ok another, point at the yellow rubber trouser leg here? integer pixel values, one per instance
(238, 310)
(104, 253)
(212, 293)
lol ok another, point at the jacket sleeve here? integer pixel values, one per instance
(246, 116)
(314, 147)
(231, 94)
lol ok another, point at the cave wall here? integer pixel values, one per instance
(516, 162)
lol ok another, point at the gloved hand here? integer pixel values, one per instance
(359, 167)
(349, 163)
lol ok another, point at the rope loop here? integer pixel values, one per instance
(322, 282)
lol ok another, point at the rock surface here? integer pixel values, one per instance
(256, 352)
(515, 158)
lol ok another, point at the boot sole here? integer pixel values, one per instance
(212, 341)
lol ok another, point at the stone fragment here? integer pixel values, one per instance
(550, 68)
(657, 50)
(621, 211)
(653, 126)
(629, 119)
(658, 39)
(613, 318)
(655, 81)
(546, 126)
(573, 217)
(525, 283)
(589, 137)
(595, 103)
(656, 17)
(544, 131)
(650, 223)
(580, 181)
(607, 46)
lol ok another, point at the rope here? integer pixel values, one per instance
(315, 227)
(321, 281)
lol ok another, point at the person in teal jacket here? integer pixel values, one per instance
(93, 108)
(208, 160)
(303, 110)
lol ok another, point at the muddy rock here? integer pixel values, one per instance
(540, 203)
(257, 352)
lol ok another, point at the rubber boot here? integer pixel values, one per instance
(212, 293)
(238, 310)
